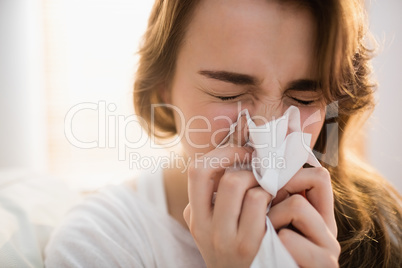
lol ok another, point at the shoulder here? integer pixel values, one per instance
(120, 227)
(97, 229)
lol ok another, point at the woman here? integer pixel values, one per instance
(201, 60)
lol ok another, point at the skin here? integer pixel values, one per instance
(274, 44)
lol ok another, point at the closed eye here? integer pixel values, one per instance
(227, 98)
(303, 102)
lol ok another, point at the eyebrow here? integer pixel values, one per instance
(230, 77)
(249, 80)
(304, 85)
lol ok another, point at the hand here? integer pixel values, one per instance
(315, 244)
(228, 233)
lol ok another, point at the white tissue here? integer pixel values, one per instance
(280, 150)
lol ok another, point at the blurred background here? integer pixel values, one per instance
(64, 64)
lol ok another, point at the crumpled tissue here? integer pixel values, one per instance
(280, 150)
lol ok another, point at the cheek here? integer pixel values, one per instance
(312, 120)
(206, 127)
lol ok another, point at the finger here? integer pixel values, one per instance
(316, 182)
(203, 171)
(253, 216)
(229, 198)
(187, 215)
(306, 253)
(296, 210)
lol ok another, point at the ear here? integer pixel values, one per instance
(164, 92)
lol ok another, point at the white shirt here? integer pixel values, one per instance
(120, 227)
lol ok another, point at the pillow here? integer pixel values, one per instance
(31, 205)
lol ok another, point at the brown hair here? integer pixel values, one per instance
(367, 209)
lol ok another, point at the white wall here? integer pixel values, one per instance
(385, 135)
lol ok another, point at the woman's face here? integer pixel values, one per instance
(239, 54)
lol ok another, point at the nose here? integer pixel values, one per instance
(264, 112)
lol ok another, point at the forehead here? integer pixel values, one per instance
(259, 37)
